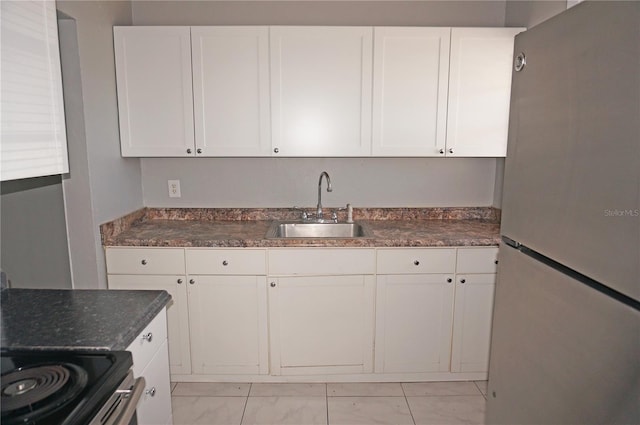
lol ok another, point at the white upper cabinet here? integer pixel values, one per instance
(321, 90)
(410, 79)
(231, 90)
(34, 140)
(479, 91)
(155, 102)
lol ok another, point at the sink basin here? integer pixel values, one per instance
(297, 230)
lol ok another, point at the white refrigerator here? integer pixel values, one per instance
(566, 326)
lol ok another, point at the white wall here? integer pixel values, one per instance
(102, 185)
(272, 182)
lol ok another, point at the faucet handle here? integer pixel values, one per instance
(303, 214)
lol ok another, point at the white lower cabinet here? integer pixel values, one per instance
(475, 286)
(228, 317)
(472, 322)
(227, 294)
(177, 313)
(399, 313)
(321, 310)
(413, 323)
(150, 360)
(414, 309)
(321, 324)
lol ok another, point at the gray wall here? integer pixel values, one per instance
(530, 13)
(33, 239)
(101, 185)
(264, 182)
(284, 182)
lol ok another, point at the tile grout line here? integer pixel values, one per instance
(408, 405)
(246, 401)
(326, 399)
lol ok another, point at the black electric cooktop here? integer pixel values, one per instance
(58, 387)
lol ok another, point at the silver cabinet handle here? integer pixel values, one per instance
(198, 150)
(276, 150)
(179, 281)
(147, 337)
(225, 263)
(191, 281)
(188, 150)
(416, 263)
(151, 391)
(143, 262)
(273, 284)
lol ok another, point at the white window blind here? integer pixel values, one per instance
(33, 137)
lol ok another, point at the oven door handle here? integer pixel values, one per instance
(134, 395)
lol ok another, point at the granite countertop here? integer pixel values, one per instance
(51, 319)
(389, 227)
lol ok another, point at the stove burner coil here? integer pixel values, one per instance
(36, 391)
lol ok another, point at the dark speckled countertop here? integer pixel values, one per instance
(389, 227)
(50, 319)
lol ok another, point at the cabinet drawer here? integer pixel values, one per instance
(226, 261)
(154, 406)
(477, 260)
(320, 261)
(416, 261)
(143, 349)
(145, 260)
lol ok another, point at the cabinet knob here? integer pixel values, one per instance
(416, 263)
(191, 281)
(276, 150)
(496, 261)
(225, 263)
(449, 280)
(151, 391)
(273, 284)
(463, 280)
(143, 262)
(179, 281)
(198, 150)
(147, 337)
(450, 150)
(442, 151)
(189, 151)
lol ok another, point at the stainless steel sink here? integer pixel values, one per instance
(297, 230)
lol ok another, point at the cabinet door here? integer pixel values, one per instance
(34, 140)
(410, 79)
(479, 91)
(321, 90)
(231, 90)
(154, 406)
(155, 102)
(472, 322)
(177, 313)
(413, 323)
(321, 324)
(228, 317)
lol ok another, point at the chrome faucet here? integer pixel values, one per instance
(329, 189)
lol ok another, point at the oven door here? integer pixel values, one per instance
(120, 408)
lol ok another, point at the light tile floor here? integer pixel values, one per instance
(422, 403)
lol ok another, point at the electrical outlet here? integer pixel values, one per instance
(174, 188)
